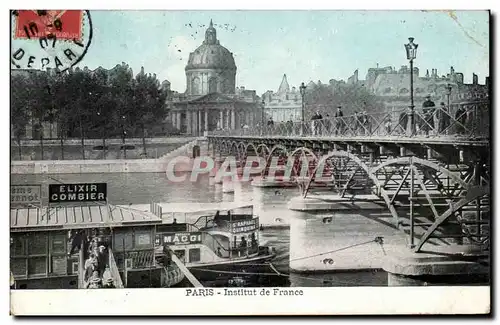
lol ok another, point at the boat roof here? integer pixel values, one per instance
(200, 207)
(77, 217)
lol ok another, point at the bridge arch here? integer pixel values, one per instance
(269, 157)
(252, 146)
(435, 195)
(261, 149)
(344, 154)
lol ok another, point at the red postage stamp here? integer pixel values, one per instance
(35, 24)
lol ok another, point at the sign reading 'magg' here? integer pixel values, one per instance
(84, 192)
(184, 238)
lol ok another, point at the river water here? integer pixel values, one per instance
(269, 205)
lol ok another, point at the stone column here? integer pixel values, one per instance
(172, 118)
(221, 119)
(228, 122)
(178, 120)
(233, 124)
(195, 123)
(199, 122)
(206, 119)
(189, 130)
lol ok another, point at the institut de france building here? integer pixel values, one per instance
(212, 101)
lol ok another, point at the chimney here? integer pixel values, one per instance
(474, 79)
(452, 71)
(427, 73)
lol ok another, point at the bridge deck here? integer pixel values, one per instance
(421, 140)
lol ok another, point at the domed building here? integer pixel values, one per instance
(210, 68)
(211, 100)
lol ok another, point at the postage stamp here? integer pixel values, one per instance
(250, 162)
(43, 39)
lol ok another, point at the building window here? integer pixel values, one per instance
(404, 91)
(194, 255)
(212, 85)
(37, 243)
(59, 261)
(143, 239)
(195, 86)
(37, 265)
(180, 253)
(123, 241)
(18, 266)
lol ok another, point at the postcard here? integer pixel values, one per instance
(241, 162)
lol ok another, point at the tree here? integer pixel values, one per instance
(19, 113)
(149, 104)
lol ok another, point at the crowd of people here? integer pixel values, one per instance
(428, 120)
(95, 245)
(437, 120)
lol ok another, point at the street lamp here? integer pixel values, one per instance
(263, 104)
(448, 94)
(411, 54)
(124, 133)
(302, 94)
(448, 109)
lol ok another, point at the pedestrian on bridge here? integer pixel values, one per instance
(289, 126)
(403, 122)
(327, 123)
(270, 124)
(428, 110)
(339, 122)
(358, 124)
(460, 118)
(443, 116)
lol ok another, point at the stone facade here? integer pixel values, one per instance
(393, 87)
(283, 105)
(211, 100)
(211, 68)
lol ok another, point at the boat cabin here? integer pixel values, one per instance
(45, 253)
(209, 232)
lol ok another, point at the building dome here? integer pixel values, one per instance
(210, 54)
(210, 68)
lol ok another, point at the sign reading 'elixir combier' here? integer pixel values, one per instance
(77, 192)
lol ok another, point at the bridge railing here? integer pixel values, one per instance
(471, 122)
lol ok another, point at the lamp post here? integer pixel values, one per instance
(448, 95)
(262, 114)
(124, 134)
(302, 94)
(411, 54)
(262, 117)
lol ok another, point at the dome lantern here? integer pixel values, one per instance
(211, 35)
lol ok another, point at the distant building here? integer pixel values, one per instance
(393, 87)
(211, 100)
(283, 105)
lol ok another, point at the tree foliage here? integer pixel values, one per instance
(353, 98)
(91, 104)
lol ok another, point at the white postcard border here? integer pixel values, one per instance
(214, 301)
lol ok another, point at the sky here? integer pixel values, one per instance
(304, 45)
